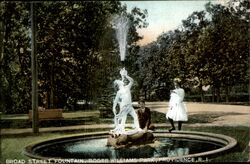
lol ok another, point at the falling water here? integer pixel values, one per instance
(121, 26)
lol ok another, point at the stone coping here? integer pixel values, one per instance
(229, 143)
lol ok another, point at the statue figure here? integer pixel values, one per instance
(119, 137)
(124, 100)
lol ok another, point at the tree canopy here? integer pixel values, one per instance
(211, 48)
(76, 51)
(78, 55)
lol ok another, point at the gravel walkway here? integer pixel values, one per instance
(230, 115)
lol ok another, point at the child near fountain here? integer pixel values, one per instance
(177, 109)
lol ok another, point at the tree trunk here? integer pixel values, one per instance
(145, 94)
(35, 122)
(213, 94)
(202, 94)
(1, 41)
(218, 94)
(52, 97)
(227, 94)
(2, 95)
(46, 100)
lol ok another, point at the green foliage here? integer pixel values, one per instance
(76, 52)
(211, 46)
(78, 55)
(68, 48)
(15, 60)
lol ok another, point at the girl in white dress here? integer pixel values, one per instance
(177, 109)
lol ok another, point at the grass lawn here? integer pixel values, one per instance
(241, 152)
(77, 119)
(12, 146)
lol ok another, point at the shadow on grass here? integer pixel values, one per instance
(25, 123)
(156, 117)
(195, 118)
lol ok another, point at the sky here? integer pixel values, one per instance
(165, 15)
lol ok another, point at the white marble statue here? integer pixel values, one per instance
(124, 100)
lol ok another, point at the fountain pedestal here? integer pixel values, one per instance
(125, 140)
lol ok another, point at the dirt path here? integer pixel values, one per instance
(230, 115)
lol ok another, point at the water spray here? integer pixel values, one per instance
(120, 23)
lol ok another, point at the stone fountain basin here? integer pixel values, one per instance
(226, 142)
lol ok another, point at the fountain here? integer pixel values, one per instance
(120, 145)
(119, 137)
(186, 146)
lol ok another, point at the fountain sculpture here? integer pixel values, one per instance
(120, 144)
(119, 137)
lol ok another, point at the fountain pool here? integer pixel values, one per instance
(180, 145)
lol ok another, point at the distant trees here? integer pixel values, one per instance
(210, 49)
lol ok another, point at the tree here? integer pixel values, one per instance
(71, 55)
(15, 58)
(203, 49)
(70, 42)
(227, 57)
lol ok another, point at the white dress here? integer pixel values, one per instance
(177, 109)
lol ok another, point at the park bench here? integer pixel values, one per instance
(48, 114)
